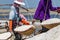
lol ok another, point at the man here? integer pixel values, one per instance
(14, 17)
(43, 12)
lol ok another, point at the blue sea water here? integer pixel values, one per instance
(29, 3)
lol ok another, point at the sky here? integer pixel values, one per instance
(56, 3)
(29, 3)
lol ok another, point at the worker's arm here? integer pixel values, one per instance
(25, 22)
(10, 25)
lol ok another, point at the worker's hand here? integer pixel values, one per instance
(20, 23)
(33, 21)
(58, 10)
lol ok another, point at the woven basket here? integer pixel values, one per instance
(51, 25)
(27, 32)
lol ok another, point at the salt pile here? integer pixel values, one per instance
(53, 34)
(5, 36)
(37, 26)
(23, 28)
(4, 20)
(38, 37)
(51, 21)
(2, 24)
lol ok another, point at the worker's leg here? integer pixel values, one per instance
(43, 28)
(17, 35)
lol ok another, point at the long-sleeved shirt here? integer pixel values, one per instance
(13, 13)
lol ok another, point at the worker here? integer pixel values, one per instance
(43, 12)
(14, 17)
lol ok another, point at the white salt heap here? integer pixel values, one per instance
(52, 34)
(3, 22)
(37, 26)
(38, 37)
(23, 28)
(51, 21)
(5, 36)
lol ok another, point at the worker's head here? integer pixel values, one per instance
(17, 3)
